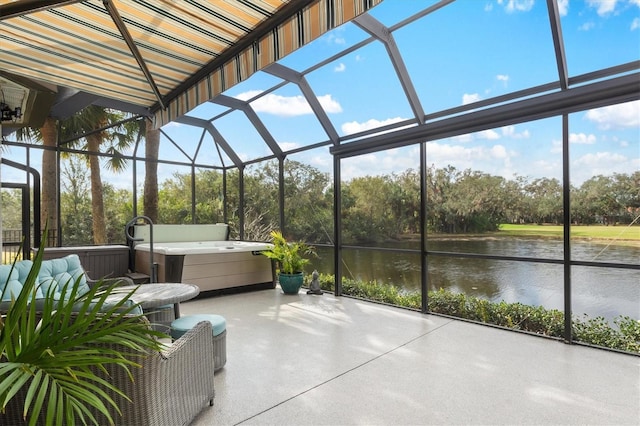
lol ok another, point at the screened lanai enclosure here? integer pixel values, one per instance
(469, 158)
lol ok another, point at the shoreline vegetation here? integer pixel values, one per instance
(622, 335)
(627, 235)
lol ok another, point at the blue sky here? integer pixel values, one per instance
(467, 51)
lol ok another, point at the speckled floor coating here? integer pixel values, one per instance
(321, 360)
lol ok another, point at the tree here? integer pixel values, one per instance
(476, 202)
(11, 208)
(370, 218)
(261, 195)
(96, 126)
(152, 146)
(439, 184)
(404, 201)
(626, 190)
(308, 202)
(175, 200)
(75, 203)
(48, 135)
(544, 200)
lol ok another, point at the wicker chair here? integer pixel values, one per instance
(170, 388)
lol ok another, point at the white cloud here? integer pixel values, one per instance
(468, 137)
(496, 160)
(288, 106)
(469, 98)
(288, 146)
(602, 163)
(503, 77)
(582, 138)
(619, 116)
(599, 159)
(511, 6)
(322, 162)
(586, 26)
(510, 132)
(491, 134)
(635, 24)
(498, 151)
(488, 134)
(604, 7)
(334, 37)
(563, 7)
(352, 127)
(245, 96)
(330, 105)
(381, 163)
(361, 165)
(546, 168)
(340, 67)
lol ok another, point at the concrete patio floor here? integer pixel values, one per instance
(322, 360)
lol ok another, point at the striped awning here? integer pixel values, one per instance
(167, 56)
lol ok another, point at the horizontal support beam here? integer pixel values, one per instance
(594, 95)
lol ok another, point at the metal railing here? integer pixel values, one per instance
(12, 243)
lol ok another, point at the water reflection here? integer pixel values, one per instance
(607, 292)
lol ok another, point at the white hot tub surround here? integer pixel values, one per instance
(207, 260)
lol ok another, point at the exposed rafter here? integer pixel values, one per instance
(117, 20)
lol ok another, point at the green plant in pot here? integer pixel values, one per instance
(291, 258)
(53, 351)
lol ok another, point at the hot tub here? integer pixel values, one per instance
(209, 263)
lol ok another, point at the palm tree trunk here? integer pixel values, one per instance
(152, 146)
(97, 202)
(49, 195)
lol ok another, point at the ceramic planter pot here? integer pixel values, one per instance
(290, 283)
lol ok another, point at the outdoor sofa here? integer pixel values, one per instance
(170, 388)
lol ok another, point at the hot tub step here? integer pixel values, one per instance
(138, 277)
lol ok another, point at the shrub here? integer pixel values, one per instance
(625, 335)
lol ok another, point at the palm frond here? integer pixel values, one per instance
(54, 348)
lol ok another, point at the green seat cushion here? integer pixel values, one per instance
(13, 277)
(56, 273)
(183, 324)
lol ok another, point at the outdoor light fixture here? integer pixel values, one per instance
(8, 114)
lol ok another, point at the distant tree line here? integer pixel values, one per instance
(374, 208)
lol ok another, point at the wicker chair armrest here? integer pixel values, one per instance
(185, 377)
(200, 336)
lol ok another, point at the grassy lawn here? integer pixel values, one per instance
(598, 232)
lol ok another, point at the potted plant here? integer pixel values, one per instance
(291, 260)
(51, 350)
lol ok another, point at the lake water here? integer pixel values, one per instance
(607, 292)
